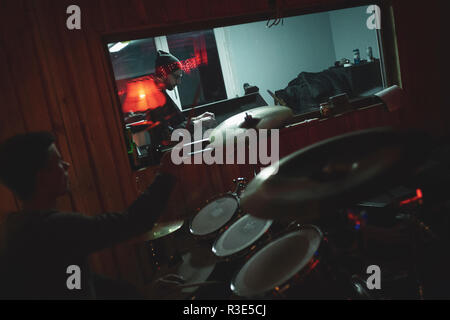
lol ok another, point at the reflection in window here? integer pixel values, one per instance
(297, 60)
(300, 63)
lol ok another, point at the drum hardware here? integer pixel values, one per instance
(184, 280)
(161, 244)
(241, 183)
(418, 232)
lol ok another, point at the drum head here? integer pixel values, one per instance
(277, 262)
(240, 235)
(214, 215)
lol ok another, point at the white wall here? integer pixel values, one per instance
(349, 31)
(271, 57)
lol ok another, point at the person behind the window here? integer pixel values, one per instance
(168, 74)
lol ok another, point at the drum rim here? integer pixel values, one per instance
(242, 251)
(211, 234)
(295, 228)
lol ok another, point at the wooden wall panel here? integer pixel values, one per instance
(420, 36)
(303, 134)
(9, 125)
(64, 73)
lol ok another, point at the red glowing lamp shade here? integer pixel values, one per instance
(142, 94)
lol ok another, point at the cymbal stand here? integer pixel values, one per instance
(241, 183)
(416, 235)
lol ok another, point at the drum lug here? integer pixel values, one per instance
(240, 183)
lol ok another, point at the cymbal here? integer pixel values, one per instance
(162, 229)
(316, 180)
(268, 117)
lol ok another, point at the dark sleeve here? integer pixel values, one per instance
(78, 234)
(178, 119)
(183, 122)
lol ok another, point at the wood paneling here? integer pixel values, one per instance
(60, 80)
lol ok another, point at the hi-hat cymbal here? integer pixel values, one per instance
(331, 174)
(162, 229)
(268, 117)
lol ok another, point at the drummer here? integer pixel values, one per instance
(168, 74)
(39, 243)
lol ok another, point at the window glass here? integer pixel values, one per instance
(299, 61)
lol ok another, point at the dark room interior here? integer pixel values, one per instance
(351, 93)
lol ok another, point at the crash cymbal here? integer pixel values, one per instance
(163, 229)
(331, 174)
(268, 117)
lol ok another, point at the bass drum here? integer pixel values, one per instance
(293, 266)
(215, 216)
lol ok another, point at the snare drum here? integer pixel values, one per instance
(217, 214)
(241, 237)
(280, 268)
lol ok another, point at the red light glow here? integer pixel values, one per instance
(314, 265)
(419, 196)
(142, 94)
(200, 56)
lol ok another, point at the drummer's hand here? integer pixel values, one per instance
(175, 204)
(166, 166)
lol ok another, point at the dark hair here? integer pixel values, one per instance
(21, 157)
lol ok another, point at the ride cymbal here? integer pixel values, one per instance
(268, 117)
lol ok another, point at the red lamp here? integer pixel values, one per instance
(142, 94)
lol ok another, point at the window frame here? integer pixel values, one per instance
(391, 73)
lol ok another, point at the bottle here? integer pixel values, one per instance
(369, 54)
(356, 56)
(325, 109)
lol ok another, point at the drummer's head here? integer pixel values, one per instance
(32, 168)
(169, 69)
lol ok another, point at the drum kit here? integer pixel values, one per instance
(283, 235)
